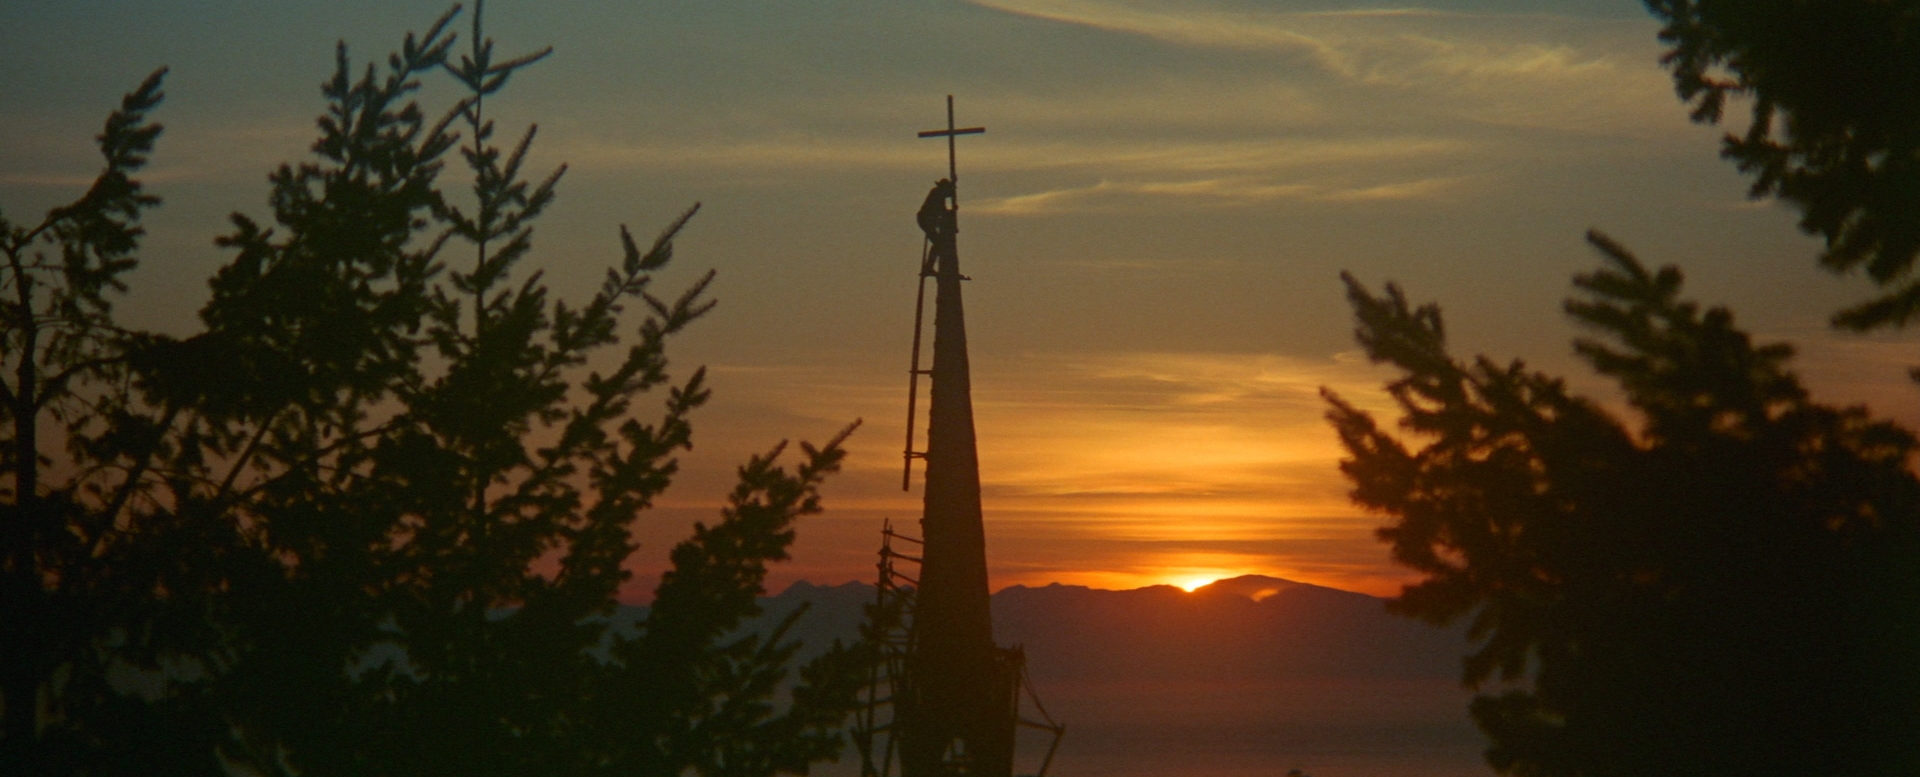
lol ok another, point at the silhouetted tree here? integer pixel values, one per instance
(372, 519)
(1835, 93)
(74, 585)
(1731, 586)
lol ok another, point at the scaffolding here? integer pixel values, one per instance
(889, 630)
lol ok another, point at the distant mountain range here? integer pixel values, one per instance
(1250, 675)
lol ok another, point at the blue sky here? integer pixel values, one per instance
(1155, 221)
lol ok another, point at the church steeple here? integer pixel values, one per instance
(954, 694)
(962, 705)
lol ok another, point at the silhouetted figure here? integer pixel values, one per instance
(936, 218)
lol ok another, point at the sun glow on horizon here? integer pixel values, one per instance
(1198, 580)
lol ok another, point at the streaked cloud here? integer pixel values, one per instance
(190, 149)
(1112, 196)
(1364, 45)
(1399, 190)
(1353, 107)
(1189, 25)
(1228, 425)
(1128, 174)
(799, 154)
(1538, 69)
(1133, 155)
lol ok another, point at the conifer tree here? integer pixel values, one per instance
(1727, 583)
(82, 452)
(1834, 90)
(372, 519)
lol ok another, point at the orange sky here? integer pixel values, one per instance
(1154, 221)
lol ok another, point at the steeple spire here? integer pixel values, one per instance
(960, 710)
(954, 695)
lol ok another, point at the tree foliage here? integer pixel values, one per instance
(1835, 129)
(1729, 586)
(71, 569)
(373, 517)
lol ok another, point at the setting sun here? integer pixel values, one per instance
(1195, 582)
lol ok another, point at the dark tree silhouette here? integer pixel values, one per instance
(1835, 93)
(72, 578)
(1731, 586)
(373, 518)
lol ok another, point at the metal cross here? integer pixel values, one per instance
(949, 133)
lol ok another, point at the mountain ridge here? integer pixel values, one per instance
(1249, 586)
(1241, 626)
(1253, 674)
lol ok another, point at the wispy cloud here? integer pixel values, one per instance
(1184, 26)
(795, 153)
(1258, 107)
(194, 149)
(1130, 155)
(1195, 428)
(1183, 429)
(1531, 70)
(1368, 45)
(1399, 190)
(1144, 467)
(1112, 196)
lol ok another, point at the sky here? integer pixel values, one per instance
(1154, 223)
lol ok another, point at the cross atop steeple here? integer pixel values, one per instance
(949, 133)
